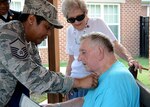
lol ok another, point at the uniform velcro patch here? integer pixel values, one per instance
(18, 49)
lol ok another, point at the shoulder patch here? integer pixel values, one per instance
(19, 49)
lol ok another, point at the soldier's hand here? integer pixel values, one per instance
(89, 81)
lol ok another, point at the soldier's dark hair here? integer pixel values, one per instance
(23, 17)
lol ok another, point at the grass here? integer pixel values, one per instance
(38, 97)
(63, 63)
(144, 77)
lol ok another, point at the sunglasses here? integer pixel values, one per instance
(78, 18)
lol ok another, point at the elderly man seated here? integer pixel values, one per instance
(117, 87)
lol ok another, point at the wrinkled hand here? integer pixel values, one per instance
(136, 64)
(89, 81)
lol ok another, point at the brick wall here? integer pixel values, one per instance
(62, 34)
(130, 25)
(44, 55)
(130, 28)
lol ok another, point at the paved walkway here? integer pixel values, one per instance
(44, 102)
(63, 70)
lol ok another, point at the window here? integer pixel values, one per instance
(94, 10)
(110, 13)
(17, 5)
(43, 44)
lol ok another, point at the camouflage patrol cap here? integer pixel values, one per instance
(42, 8)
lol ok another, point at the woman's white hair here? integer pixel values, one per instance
(67, 5)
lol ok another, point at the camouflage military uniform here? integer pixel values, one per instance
(20, 61)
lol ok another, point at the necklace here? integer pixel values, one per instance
(79, 34)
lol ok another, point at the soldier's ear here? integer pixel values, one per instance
(31, 19)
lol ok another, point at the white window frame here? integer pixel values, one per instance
(46, 46)
(102, 14)
(107, 1)
(13, 2)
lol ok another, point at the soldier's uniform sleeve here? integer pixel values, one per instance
(15, 58)
(34, 53)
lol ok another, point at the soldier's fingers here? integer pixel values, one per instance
(95, 83)
(94, 74)
(95, 80)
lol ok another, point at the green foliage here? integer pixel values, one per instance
(144, 76)
(38, 98)
(63, 63)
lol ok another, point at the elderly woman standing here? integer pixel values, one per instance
(76, 13)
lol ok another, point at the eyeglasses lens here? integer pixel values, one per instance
(78, 18)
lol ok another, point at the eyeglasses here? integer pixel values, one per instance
(78, 18)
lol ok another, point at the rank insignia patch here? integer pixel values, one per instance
(19, 49)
